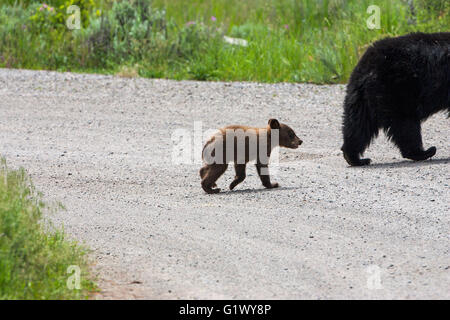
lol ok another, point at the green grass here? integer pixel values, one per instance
(34, 256)
(316, 41)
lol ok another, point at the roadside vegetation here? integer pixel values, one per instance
(35, 258)
(316, 41)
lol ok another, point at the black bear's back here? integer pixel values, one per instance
(403, 76)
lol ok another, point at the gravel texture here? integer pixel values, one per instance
(103, 146)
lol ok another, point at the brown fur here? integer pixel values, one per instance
(209, 173)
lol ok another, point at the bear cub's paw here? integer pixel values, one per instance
(272, 185)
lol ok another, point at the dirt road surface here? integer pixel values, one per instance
(103, 147)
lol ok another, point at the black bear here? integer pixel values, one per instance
(398, 83)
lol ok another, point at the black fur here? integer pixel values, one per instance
(397, 84)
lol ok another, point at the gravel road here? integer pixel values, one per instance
(103, 146)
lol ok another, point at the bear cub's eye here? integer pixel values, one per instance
(291, 134)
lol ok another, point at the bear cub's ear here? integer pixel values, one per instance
(274, 124)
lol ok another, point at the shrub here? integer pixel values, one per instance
(34, 256)
(301, 40)
(54, 14)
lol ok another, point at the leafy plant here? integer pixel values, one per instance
(34, 256)
(55, 13)
(287, 40)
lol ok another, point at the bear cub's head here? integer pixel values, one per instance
(287, 136)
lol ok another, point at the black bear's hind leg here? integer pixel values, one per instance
(353, 159)
(354, 145)
(359, 130)
(406, 134)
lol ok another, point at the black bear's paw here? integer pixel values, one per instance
(431, 152)
(355, 161)
(423, 155)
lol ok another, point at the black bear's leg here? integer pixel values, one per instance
(356, 140)
(263, 172)
(213, 173)
(406, 134)
(353, 159)
(240, 175)
(359, 129)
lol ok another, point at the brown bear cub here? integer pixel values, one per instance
(241, 144)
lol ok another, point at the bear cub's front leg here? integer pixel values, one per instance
(240, 175)
(263, 173)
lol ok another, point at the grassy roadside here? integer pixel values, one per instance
(316, 41)
(35, 259)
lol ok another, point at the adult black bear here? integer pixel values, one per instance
(398, 83)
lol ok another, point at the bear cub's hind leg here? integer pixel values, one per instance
(203, 172)
(210, 173)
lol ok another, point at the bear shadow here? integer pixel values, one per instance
(246, 191)
(408, 164)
